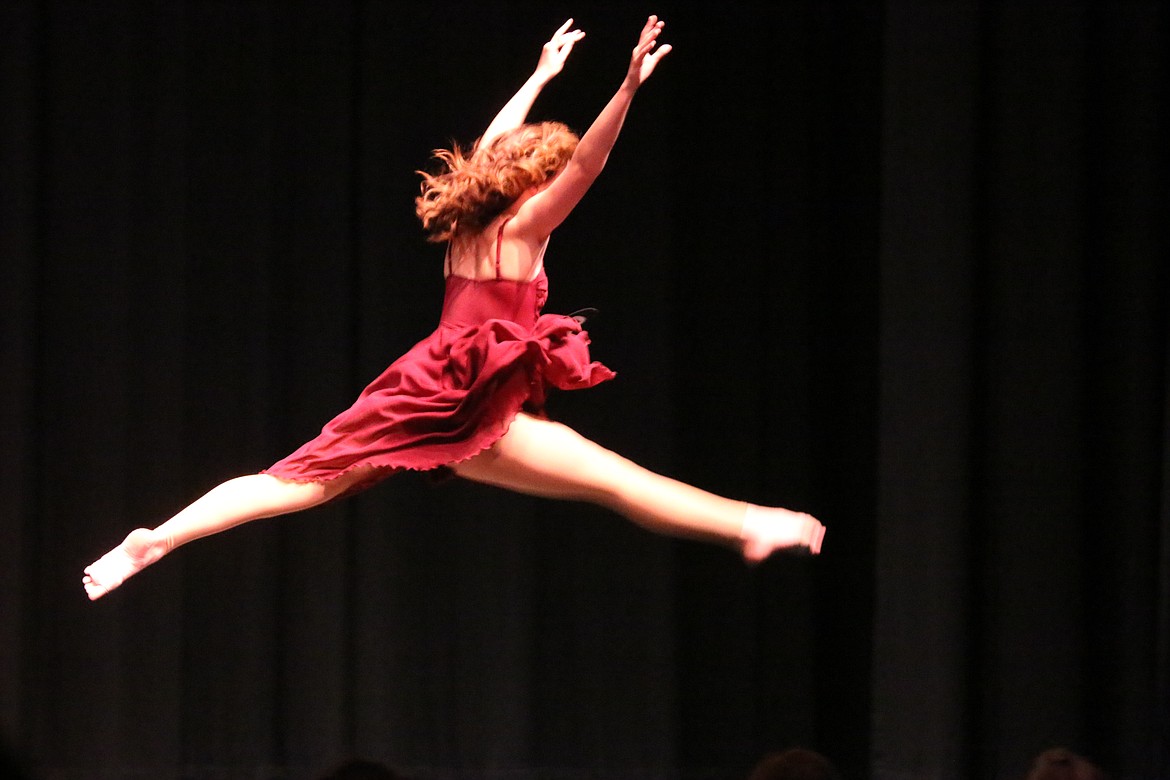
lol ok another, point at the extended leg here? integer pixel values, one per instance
(548, 459)
(225, 506)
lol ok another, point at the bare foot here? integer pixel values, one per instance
(768, 529)
(140, 549)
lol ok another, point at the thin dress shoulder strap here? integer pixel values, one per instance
(499, 240)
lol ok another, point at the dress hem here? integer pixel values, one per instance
(382, 471)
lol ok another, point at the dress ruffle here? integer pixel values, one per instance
(450, 397)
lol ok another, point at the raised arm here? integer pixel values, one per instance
(548, 208)
(552, 58)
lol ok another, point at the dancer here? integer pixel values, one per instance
(470, 397)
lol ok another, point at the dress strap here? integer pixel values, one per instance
(499, 240)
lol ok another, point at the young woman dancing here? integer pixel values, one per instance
(470, 397)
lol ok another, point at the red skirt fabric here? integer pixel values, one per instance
(456, 392)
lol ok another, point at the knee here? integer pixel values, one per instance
(295, 494)
(602, 476)
(332, 488)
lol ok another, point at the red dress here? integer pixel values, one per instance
(454, 394)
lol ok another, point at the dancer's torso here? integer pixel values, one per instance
(468, 302)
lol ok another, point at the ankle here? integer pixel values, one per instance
(756, 522)
(147, 545)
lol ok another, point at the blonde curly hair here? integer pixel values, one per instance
(473, 189)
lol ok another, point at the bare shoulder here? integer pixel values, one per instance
(521, 248)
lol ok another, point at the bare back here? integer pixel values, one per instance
(499, 251)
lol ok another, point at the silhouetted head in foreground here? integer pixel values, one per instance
(361, 769)
(1063, 764)
(795, 764)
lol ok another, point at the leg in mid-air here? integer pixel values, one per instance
(544, 458)
(225, 506)
(536, 456)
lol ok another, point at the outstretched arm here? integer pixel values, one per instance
(552, 59)
(548, 208)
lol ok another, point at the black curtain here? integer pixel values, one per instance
(897, 264)
(1022, 541)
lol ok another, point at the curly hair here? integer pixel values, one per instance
(473, 189)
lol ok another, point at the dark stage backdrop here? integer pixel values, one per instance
(897, 264)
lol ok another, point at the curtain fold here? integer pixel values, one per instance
(1023, 325)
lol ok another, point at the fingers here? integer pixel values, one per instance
(563, 36)
(662, 52)
(649, 36)
(652, 27)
